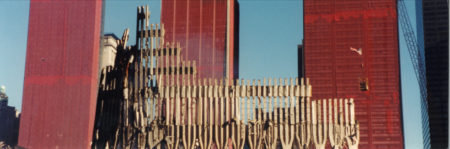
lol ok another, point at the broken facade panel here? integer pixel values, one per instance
(351, 50)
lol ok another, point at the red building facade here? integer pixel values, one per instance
(61, 74)
(207, 31)
(331, 29)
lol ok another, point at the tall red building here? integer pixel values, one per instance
(331, 29)
(61, 74)
(208, 33)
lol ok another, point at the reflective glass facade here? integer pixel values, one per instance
(206, 31)
(60, 87)
(423, 102)
(331, 29)
(435, 28)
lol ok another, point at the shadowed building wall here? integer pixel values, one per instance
(9, 121)
(435, 28)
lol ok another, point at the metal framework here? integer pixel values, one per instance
(153, 98)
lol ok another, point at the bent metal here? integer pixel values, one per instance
(152, 98)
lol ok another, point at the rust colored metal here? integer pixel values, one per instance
(61, 74)
(351, 50)
(208, 33)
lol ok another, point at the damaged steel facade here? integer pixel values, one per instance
(152, 97)
(370, 73)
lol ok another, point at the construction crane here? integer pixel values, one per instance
(417, 59)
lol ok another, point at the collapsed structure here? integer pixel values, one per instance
(150, 97)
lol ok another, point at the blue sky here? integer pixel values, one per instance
(270, 31)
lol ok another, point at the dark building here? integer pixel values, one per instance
(207, 32)
(351, 51)
(435, 28)
(301, 61)
(61, 74)
(9, 122)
